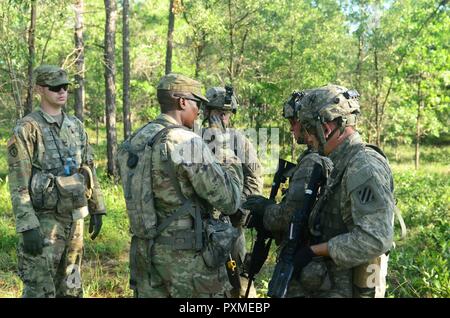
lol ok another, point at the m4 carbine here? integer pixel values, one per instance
(284, 269)
(263, 240)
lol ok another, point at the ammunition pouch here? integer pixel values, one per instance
(219, 240)
(42, 191)
(315, 276)
(72, 196)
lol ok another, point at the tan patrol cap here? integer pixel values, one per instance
(179, 83)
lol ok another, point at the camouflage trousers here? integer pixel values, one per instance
(159, 271)
(56, 272)
(238, 254)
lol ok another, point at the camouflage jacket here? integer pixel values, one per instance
(356, 216)
(278, 216)
(39, 144)
(199, 176)
(251, 167)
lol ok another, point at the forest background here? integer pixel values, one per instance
(395, 53)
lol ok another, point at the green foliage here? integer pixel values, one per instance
(420, 265)
(266, 49)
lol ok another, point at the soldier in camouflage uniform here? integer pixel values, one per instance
(53, 186)
(223, 103)
(352, 223)
(172, 182)
(276, 217)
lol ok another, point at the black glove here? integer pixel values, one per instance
(95, 225)
(32, 242)
(257, 205)
(302, 258)
(257, 202)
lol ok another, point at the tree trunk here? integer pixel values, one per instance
(110, 88)
(377, 99)
(79, 62)
(419, 116)
(126, 69)
(170, 38)
(231, 34)
(31, 57)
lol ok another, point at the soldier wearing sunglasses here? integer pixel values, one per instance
(53, 187)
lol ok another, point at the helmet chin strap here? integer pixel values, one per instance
(321, 134)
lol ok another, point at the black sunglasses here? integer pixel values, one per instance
(56, 89)
(198, 101)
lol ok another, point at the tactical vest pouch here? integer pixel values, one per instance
(315, 276)
(72, 199)
(219, 240)
(43, 193)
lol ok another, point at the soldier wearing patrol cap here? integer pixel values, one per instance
(354, 215)
(276, 217)
(219, 109)
(172, 182)
(53, 187)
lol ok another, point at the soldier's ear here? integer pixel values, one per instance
(328, 128)
(38, 89)
(182, 104)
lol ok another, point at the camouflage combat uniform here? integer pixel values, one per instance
(38, 147)
(172, 264)
(355, 213)
(253, 183)
(278, 216)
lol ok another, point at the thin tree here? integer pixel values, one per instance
(110, 88)
(79, 62)
(126, 69)
(31, 57)
(170, 37)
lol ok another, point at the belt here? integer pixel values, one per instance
(180, 240)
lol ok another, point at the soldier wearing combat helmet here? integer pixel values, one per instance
(276, 217)
(353, 217)
(222, 105)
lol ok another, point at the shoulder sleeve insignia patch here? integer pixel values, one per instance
(12, 148)
(365, 195)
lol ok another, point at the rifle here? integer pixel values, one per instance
(279, 177)
(263, 237)
(284, 269)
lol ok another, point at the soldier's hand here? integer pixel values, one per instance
(302, 258)
(95, 225)
(32, 242)
(216, 122)
(257, 202)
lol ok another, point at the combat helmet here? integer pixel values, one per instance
(328, 103)
(222, 98)
(292, 105)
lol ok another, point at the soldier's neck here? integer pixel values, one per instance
(175, 115)
(51, 110)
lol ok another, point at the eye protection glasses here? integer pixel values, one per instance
(56, 89)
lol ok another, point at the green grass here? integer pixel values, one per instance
(418, 267)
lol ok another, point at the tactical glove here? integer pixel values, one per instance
(95, 225)
(257, 202)
(32, 242)
(302, 258)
